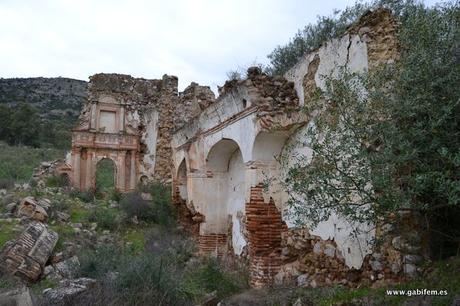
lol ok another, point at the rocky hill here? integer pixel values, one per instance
(52, 97)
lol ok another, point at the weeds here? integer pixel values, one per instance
(159, 210)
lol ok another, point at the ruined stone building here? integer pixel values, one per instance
(220, 152)
(130, 121)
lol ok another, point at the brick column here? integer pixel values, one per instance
(264, 225)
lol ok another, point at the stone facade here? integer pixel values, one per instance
(130, 121)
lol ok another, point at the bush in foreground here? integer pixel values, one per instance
(163, 273)
(158, 210)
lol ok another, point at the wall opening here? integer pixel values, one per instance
(105, 174)
(181, 181)
(224, 203)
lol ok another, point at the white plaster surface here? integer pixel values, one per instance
(236, 199)
(107, 122)
(353, 240)
(246, 160)
(150, 139)
(348, 51)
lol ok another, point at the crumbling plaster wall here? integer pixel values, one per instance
(366, 45)
(260, 117)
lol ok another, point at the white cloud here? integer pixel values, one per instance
(196, 40)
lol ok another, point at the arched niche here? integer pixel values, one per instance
(181, 180)
(225, 196)
(266, 163)
(268, 145)
(219, 155)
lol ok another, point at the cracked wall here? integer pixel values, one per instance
(238, 196)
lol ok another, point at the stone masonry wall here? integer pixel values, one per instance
(142, 97)
(148, 109)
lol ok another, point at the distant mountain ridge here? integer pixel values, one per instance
(52, 97)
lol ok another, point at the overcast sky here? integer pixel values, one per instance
(199, 40)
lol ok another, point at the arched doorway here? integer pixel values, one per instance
(106, 173)
(225, 200)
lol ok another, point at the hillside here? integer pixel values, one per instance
(52, 97)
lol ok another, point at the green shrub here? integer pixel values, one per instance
(61, 205)
(134, 205)
(208, 277)
(115, 195)
(57, 181)
(6, 183)
(97, 263)
(129, 279)
(161, 200)
(159, 210)
(106, 218)
(135, 280)
(66, 233)
(78, 213)
(170, 243)
(86, 196)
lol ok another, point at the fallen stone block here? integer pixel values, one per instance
(67, 291)
(66, 268)
(29, 208)
(26, 256)
(62, 216)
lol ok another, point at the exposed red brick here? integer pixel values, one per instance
(213, 244)
(264, 225)
(189, 220)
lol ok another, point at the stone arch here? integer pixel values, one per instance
(268, 145)
(220, 153)
(265, 164)
(242, 140)
(106, 173)
(223, 206)
(181, 180)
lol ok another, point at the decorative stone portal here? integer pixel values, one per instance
(131, 121)
(88, 148)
